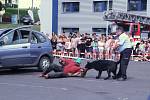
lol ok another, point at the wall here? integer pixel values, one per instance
(148, 8)
(85, 19)
(120, 5)
(46, 16)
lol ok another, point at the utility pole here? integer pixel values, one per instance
(107, 21)
(32, 6)
(18, 12)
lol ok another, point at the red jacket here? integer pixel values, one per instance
(71, 66)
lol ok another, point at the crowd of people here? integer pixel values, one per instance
(96, 46)
(117, 48)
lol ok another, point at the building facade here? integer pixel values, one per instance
(86, 16)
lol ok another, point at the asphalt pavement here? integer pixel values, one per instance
(24, 84)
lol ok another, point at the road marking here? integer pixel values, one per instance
(65, 89)
(123, 98)
(33, 86)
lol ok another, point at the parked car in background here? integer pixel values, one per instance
(24, 47)
(27, 20)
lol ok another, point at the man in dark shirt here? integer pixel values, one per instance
(81, 47)
(88, 44)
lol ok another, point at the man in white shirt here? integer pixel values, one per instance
(125, 49)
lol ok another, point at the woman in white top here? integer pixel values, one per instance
(68, 45)
(74, 42)
(101, 44)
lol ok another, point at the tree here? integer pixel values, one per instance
(8, 1)
(1, 6)
(2, 11)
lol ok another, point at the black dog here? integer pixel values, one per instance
(102, 65)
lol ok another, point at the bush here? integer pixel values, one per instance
(11, 11)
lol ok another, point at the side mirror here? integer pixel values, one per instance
(2, 43)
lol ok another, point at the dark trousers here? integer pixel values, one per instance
(57, 75)
(124, 60)
(52, 67)
(58, 71)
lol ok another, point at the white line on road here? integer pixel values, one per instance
(32, 86)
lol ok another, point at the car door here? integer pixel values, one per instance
(36, 47)
(12, 50)
(25, 57)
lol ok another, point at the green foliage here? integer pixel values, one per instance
(11, 11)
(1, 6)
(22, 12)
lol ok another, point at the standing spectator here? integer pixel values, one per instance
(101, 44)
(77, 39)
(115, 53)
(70, 35)
(108, 53)
(54, 42)
(125, 49)
(136, 52)
(74, 42)
(94, 36)
(88, 44)
(60, 44)
(95, 46)
(81, 47)
(68, 45)
(63, 38)
(146, 46)
(142, 47)
(148, 49)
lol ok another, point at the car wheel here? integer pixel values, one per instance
(44, 63)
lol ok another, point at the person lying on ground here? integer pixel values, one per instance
(67, 68)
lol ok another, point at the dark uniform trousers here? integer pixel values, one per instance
(124, 60)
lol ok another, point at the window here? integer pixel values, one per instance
(70, 7)
(34, 39)
(68, 30)
(11, 38)
(137, 5)
(99, 30)
(41, 38)
(100, 6)
(24, 36)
